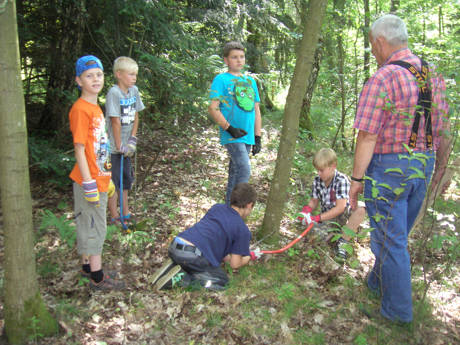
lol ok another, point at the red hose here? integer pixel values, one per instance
(290, 244)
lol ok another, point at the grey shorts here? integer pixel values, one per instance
(91, 222)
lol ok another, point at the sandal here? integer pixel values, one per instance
(128, 219)
(114, 221)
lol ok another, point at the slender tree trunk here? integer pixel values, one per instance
(23, 303)
(258, 62)
(440, 22)
(355, 85)
(305, 118)
(436, 191)
(305, 58)
(340, 23)
(64, 52)
(367, 18)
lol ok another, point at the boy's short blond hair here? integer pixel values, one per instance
(124, 63)
(325, 158)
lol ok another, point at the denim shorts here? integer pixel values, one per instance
(128, 175)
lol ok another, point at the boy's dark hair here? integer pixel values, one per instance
(231, 46)
(243, 194)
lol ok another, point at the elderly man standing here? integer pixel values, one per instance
(402, 108)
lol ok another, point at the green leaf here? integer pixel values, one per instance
(384, 185)
(407, 148)
(354, 264)
(360, 340)
(349, 232)
(397, 170)
(375, 192)
(378, 217)
(335, 238)
(348, 247)
(398, 191)
(418, 173)
(421, 160)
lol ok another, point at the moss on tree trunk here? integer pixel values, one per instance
(34, 322)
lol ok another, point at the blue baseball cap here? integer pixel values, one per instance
(87, 62)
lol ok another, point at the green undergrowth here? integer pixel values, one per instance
(288, 300)
(302, 296)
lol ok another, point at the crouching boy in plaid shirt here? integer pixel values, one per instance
(330, 188)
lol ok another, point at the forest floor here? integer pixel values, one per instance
(302, 296)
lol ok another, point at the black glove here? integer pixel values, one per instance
(236, 132)
(257, 146)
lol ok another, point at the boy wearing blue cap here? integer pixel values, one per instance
(91, 173)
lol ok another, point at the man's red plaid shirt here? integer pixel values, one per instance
(388, 101)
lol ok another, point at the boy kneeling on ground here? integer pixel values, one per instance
(330, 189)
(195, 255)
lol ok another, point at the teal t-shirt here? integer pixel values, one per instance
(237, 96)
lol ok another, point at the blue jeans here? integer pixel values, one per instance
(239, 168)
(392, 212)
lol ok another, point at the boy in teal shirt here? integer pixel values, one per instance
(235, 108)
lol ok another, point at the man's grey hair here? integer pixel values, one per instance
(390, 27)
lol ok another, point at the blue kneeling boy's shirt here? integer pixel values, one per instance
(237, 96)
(220, 232)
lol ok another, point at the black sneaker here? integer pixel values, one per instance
(341, 251)
(211, 281)
(107, 284)
(161, 271)
(171, 279)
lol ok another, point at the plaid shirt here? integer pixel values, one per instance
(338, 189)
(387, 105)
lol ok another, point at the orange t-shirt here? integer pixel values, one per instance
(87, 125)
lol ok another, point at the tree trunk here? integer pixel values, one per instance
(440, 22)
(367, 18)
(64, 51)
(305, 58)
(340, 23)
(435, 191)
(355, 85)
(258, 63)
(24, 309)
(305, 118)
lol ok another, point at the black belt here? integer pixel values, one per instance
(187, 248)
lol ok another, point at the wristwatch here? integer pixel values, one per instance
(357, 179)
